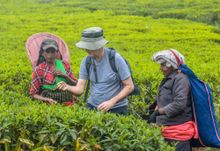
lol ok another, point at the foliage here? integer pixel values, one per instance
(37, 125)
(136, 29)
(196, 10)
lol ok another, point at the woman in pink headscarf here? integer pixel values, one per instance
(174, 104)
(49, 71)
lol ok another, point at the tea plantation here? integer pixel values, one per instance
(136, 29)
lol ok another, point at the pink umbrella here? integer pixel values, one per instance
(33, 47)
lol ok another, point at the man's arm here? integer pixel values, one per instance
(76, 90)
(128, 87)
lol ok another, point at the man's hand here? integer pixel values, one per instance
(105, 106)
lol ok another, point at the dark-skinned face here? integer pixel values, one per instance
(166, 70)
(50, 55)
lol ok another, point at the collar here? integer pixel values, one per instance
(171, 75)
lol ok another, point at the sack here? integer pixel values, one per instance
(203, 110)
(111, 57)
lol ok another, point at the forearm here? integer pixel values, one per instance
(123, 93)
(173, 108)
(71, 81)
(105, 106)
(74, 90)
(181, 91)
(43, 99)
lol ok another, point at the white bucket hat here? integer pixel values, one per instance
(171, 57)
(92, 39)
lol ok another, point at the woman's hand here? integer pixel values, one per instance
(50, 101)
(44, 99)
(161, 111)
(70, 81)
(60, 73)
(62, 86)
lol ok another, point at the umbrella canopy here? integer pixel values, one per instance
(33, 47)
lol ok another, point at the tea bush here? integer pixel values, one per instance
(196, 10)
(136, 29)
(37, 125)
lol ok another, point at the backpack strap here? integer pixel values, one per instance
(88, 65)
(111, 57)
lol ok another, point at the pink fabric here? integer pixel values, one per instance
(33, 46)
(182, 132)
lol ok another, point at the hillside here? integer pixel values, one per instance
(136, 28)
